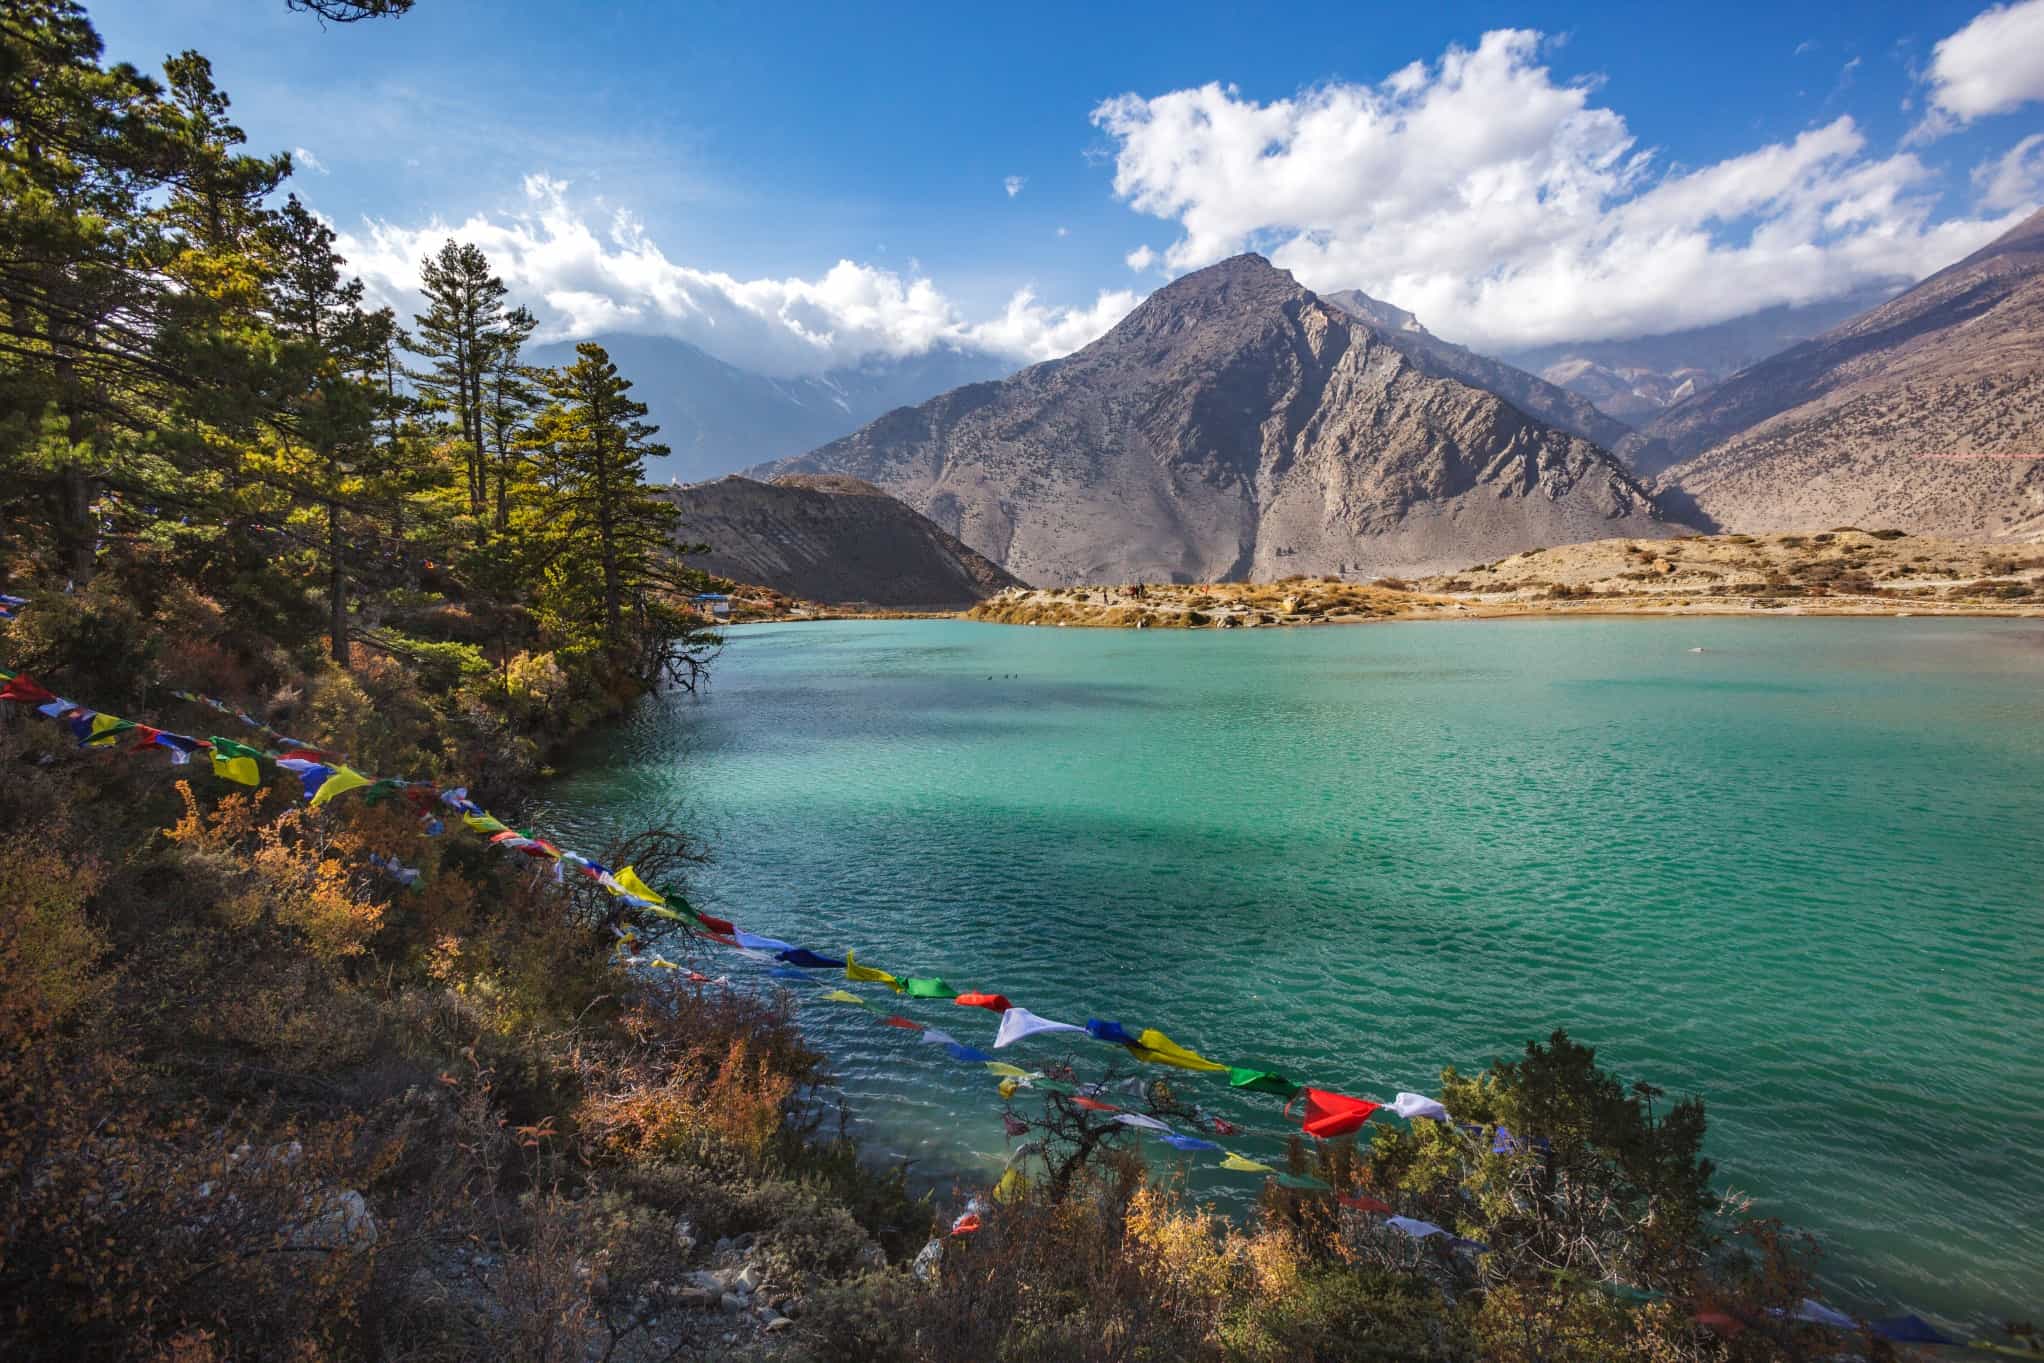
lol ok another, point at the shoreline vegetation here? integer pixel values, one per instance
(1845, 571)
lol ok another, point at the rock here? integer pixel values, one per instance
(342, 1222)
(732, 1303)
(871, 1256)
(767, 1316)
(925, 1266)
(749, 1279)
(779, 1324)
(684, 1236)
(713, 1283)
(693, 1298)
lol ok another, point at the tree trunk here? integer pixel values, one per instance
(337, 587)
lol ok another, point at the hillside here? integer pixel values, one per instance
(1237, 426)
(1926, 412)
(832, 540)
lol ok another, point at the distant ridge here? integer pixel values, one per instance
(1924, 414)
(1235, 426)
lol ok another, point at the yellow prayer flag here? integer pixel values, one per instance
(662, 963)
(1011, 1186)
(843, 996)
(106, 729)
(341, 782)
(1003, 1067)
(855, 971)
(628, 882)
(1154, 1047)
(241, 769)
(1245, 1166)
(477, 823)
(1008, 1087)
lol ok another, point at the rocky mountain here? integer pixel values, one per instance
(1237, 426)
(1923, 414)
(1530, 393)
(1636, 379)
(716, 417)
(832, 539)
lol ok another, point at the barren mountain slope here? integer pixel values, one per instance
(1235, 425)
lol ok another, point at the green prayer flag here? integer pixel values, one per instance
(1261, 1081)
(929, 989)
(1304, 1182)
(382, 790)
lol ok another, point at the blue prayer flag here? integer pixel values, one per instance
(803, 956)
(1111, 1032)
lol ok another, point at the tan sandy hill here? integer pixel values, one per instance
(1235, 426)
(1833, 572)
(833, 540)
(1926, 412)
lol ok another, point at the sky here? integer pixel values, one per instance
(799, 187)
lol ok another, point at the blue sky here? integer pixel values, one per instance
(753, 147)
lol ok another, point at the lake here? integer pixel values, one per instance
(1799, 873)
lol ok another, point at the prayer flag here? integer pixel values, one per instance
(23, 688)
(1261, 1081)
(809, 960)
(929, 989)
(757, 943)
(720, 926)
(1364, 1203)
(1006, 1088)
(966, 1053)
(1181, 1142)
(628, 882)
(1242, 1165)
(104, 730)
(855, 971)
(1817, 1313)
(1154, 1047)
(236, 762)
(1112, 1032)
(341, 782)
(480, 822)
(1003, 1067)
(1224, 1127)
(843, 996)
(1011, 1186)
(1418, 1230)
(1909, 1330)
(935, 1036)
(1092, 1104)
(1411, 1105)
(1014, 1125)
(312, 775)
(906, 1024)
(1331, 1114)
(994, 1003)
(1305, 1183)
(1017, 1023)
(966, 1224)
(1139, 1121)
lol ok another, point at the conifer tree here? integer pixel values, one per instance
(463, 332)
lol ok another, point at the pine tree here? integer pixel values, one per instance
(333, 355)
(511, 393)
(590, 447)
(464, 331)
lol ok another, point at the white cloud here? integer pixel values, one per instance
(1013, 184)
(581, 279)
(1806, 45)
(1507, 209)
(303, 159)
(1140, 259)
(1064, 231)
(2013, 181)
(1992, 65)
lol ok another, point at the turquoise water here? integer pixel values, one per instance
(1800, 873)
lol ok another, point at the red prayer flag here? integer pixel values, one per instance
(1364, 1203)
(996, 1002)
(1224, 1127)
(1331, 1114)
(966, 1224)
(718, 927)
(906, 1024)
(1093, 1104)
(22, 687)
(1725, 1325)
(1014, 1125)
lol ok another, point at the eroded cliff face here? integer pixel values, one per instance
(1237, 426)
